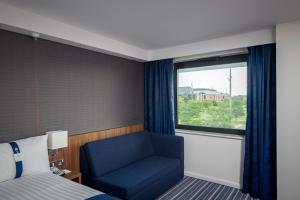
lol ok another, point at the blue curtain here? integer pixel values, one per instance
(260, 145)
(159, 103)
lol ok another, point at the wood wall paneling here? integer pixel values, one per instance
(71, 153)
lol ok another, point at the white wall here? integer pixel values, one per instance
(288, 110)
(214, 158)
(236, 41)
(26, 22)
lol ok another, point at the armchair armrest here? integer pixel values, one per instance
(168, 145)
(84, 168)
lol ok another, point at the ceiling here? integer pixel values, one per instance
(155, 24)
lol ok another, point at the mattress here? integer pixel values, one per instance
(44, 186)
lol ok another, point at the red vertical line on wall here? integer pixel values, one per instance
(36, 85)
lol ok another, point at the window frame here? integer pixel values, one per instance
(204, 62)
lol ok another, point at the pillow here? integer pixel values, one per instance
(34, 153)
(7, 163)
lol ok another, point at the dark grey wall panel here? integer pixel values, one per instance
(17, 108)
(78, 90)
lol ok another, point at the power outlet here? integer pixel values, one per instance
(60, 162)
(57, 163)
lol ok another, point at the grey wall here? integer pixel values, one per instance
(50, 86)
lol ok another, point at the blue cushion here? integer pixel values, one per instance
(102, 197)
(131, 179)
(108, 155)
(159, 187)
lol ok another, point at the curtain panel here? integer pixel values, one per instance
(260, 141)
(159, 98)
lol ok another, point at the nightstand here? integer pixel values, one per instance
(74, 176)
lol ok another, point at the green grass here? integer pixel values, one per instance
(210, 113)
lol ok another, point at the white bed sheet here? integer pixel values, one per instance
(44, 186)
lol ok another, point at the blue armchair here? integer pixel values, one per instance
(137, 166)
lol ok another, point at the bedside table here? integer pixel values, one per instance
(73, 176)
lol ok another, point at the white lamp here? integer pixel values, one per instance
(57, 139)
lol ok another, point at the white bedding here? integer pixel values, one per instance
(44, 186)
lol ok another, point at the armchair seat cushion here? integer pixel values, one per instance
(135, 177)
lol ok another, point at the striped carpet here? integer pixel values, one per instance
(191, 188)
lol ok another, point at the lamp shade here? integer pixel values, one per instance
(57, 139)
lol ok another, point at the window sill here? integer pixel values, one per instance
(209, 134)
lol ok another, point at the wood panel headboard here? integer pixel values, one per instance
(71, 153)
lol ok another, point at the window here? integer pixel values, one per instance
(210, 94)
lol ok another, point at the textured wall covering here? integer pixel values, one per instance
(49, 86)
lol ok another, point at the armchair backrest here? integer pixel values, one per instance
(107, 155)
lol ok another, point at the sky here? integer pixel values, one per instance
(216, 77)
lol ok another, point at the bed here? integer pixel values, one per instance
(44, 186)
(25, 174)
(47, 186)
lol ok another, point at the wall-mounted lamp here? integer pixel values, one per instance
(57, 140)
